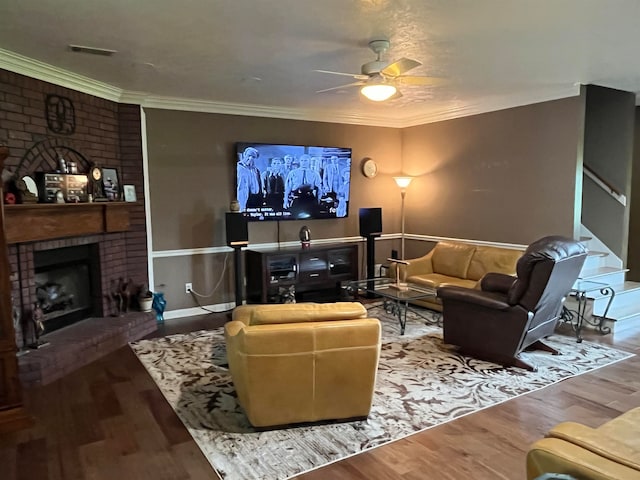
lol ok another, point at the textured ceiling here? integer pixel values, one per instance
(494, 53)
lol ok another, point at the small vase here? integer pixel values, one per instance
(234, 206)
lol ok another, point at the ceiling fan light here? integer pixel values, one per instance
(379, 92)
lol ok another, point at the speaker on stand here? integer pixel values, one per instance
(370, 228)
(237, 237)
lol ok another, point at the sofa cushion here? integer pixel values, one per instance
(435, 280)
(303, 312)
(452, 259)
(493, 259)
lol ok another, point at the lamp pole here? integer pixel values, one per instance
(403, 183)
(403, 192)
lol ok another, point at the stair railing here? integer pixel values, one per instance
(606, 186)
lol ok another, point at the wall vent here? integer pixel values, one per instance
(92, 50)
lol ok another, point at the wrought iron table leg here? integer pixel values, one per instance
(394, 307)
(581, 298)
(603, 318)
(612, 293)
(402, 316)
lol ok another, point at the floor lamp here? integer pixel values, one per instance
(403, 183)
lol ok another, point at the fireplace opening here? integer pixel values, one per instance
(66, 283)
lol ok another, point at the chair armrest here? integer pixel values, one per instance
(556, 455)
(414, 266)
(597, 442)
(233, 327)
(470, 295)
(497, 282)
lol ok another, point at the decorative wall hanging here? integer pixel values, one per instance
(60, 114)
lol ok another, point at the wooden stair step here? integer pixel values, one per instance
(596, 253)
(595, 273)
(620, 289)
(624, 314)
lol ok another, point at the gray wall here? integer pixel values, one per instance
(507, 176)
(192, 169)
(608, 150)
(633, 249)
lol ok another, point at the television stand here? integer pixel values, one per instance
(316, 272)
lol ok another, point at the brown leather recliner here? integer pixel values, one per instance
(509, 314)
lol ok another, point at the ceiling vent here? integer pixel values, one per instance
(105, 52)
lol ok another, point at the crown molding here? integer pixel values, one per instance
(47, 73)
(185, 104)
(42, 71)
(493, 104)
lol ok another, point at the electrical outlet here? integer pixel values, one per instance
(188, 287)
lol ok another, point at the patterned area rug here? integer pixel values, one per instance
(421, 383)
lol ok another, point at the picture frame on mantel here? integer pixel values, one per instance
(111, 184)
(129, 192)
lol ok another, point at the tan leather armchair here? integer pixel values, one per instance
(611, 451)
(303, 362)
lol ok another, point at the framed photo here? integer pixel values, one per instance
(129, 193)
(111, 184)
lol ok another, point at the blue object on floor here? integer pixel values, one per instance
(159, 304)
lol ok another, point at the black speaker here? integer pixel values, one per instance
(370, 222)
(237, 231)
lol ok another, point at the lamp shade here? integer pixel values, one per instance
(403, 182)
(378, 92)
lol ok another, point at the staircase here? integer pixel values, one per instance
(604, 267)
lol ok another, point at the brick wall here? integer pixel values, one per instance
(106, 133)
(132, 174)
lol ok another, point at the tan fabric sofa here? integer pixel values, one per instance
(611, 451)
(454, 263)
(303, 362)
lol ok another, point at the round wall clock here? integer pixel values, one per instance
(369, 168)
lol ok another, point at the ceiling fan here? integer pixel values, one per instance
(379, 79)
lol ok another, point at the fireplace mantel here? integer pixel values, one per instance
(40, 221)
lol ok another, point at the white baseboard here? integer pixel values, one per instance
(191, 312)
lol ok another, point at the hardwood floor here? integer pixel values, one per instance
(109, 421)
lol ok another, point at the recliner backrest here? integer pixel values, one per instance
(546, 272)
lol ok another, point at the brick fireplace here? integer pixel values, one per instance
(106, 134)
(100, 328)
(109, 266)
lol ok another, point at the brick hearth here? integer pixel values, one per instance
(80, 344)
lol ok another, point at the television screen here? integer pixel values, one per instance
(292, 182)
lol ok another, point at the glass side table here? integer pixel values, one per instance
(577, 318)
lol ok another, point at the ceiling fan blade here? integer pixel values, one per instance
(399, 67)
(354, 84)
(414, 80)
(396, 95)
(357, 76)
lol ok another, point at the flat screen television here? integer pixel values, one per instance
(292, 182)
